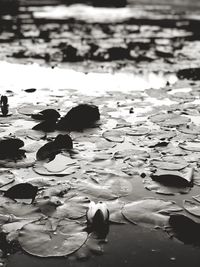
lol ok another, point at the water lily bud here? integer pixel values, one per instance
(97, 214)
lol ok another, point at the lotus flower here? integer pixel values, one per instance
(97, 214)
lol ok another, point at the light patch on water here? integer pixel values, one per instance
(17, 77)
(89, 13)
(180, 90)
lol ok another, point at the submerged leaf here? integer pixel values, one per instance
(119, 186)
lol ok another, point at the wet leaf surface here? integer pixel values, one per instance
(52, 238)
(192, 207)
(149, 212)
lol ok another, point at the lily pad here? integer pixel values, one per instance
(114, 136)
(59, 164)
(73, 208)
(6, 177)
(138, 131)
(191, 146)
(189, 129)
(95, 191)
(174, 165)
(43, 239)
(20, 210)
(150, 212)
(40, 168)
(115, 211)
(30, 109)
(192, 207)
(131, 154)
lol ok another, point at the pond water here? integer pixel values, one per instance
(143, 106)
(41, 77)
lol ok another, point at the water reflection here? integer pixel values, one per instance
(36, 76)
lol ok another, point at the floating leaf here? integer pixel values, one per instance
(138, 131)
(189, 129)
(30, 109)
(34, 135)
(169, 119)
(20, 163)
(115, 211)
(59, 164)
(175, 121)
(44, 240)
(150, 212)
(57, 190)
(93, 190)
(114, 136)
(197, 198)
(40, 169)
(131, 154)
(6, 177)
(192, 207)
(13, 227)
(191, 146)
(174, 165)
(20, 210)
(73, 208)
(41, 181)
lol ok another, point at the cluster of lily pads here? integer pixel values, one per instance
(80, 179)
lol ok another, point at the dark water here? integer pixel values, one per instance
(128, 246)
